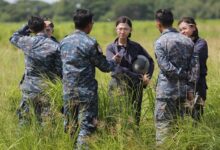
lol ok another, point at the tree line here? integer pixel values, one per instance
(107, 10)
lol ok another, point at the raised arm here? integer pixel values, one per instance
(22, 40)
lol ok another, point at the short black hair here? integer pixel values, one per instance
(36, 24)
(165, 17)
(81, 18)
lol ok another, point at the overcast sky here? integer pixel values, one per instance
(48, 1)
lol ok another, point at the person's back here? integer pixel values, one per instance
(178, 50)
(41, 54)
(175, 82)
(81, 53)
(41, 59)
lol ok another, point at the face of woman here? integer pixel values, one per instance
(49, 31)
(186, 29)
(48, 28)
(123, 30)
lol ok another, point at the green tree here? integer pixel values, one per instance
(3, 7)
(63, 9)
(22, 9)
(98, 7)
(140, 10)
(108, 10)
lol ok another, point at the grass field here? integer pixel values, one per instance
(124, 134)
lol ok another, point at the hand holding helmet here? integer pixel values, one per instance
(146, 79)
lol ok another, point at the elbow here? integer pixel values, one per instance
(151, 70)
(11, 39)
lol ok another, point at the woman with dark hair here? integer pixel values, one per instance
(129, 77)
(187, 26)
(49, 29)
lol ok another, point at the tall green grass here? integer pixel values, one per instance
(116, 129)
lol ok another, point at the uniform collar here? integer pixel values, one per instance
(41, 34)
(80, 31)
(128, 42)
(171, 29)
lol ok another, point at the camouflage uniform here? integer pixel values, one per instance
(80, 55)
(42, 59)
(174, 56)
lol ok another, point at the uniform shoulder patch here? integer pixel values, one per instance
(98, 48)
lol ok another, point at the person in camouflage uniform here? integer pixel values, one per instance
(175, 84)
(80, 55)
(42, 60)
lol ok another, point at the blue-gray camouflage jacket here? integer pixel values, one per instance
(80, 55)
(42, 59)
(174, 54)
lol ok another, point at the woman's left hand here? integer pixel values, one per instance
(146, 79)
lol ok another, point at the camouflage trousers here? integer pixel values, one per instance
(80, 120)
(119, 89)
(40, 104)
(166, 113)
